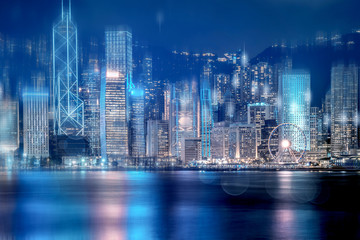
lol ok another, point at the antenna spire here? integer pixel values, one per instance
(70, 9)
(62, 9)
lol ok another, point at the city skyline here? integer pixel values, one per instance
(107, 100)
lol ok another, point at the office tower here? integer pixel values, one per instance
(344, 108)
(90, 93)
(242, 83)
(137, 123)
(222, 85)
(326, 115)
(184, 116)
(262, 83)
(153, 87)
(223, 97)
(220, 141)
(192, 150)
(227, 107)
(157, 139)
(36, 124)
(115, 86)
(257, 114)
(266, 129)
(242, 142)
(206, 112)
(67, 106)
(167, 99)
(294, 105)
(315, 128)
(9, 131)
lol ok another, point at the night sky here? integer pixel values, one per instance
(196, 25)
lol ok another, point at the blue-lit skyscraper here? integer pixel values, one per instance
(294, 103)
(67, 106)
(36, 124)
(137, 123)
(115, 87)
(206, 112)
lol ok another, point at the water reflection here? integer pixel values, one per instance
(178, 205)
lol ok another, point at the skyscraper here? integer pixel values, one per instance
(257, 114)
(9, 131)
(67, 106)
(115, 86)
(90, 92)
(137, 123)
(344, 108)
(157, 139)
(183, 117)
(36, 124)
(206, 112)
(294, 105)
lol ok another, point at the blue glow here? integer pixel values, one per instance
(137, 92)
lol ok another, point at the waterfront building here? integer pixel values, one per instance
(192, 150)
(242, 142)
(344, 108)
(183, 117)
(315, 128)
(137, 123)
(115, 87)
(220, 141)
(294, 104)
(257, 114)
(36, 124)
(206, 112)
(157, 139)
(9, 131)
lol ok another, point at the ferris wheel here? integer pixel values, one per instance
(287, 143)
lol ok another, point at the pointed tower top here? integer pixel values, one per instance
(70, 9)
(62, 9)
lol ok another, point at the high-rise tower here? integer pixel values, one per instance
(116, 86)
(67, 106)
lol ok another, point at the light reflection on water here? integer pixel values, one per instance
(178, 205)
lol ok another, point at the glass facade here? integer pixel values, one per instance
(36, 124)
(67, 106)
(294, 105)
(118, 50)
(344, 108)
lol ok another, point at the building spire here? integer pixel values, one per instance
(62, 9)
(70, 9)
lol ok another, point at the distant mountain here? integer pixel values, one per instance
(317, 58)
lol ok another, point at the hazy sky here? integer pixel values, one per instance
(217, 25)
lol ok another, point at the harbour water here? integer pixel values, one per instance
(179, 205)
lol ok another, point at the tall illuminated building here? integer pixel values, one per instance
(315, 128)
(9, 131)
(344, 108)
(294, 104)
(157, 139)
(137, 123)
(242, 142)
(90, 93)
(257, 114)
(115, 87)
(36, 124)
(183, 117)
(206, 112)
(242, 84)
(67, 106)
(262, 83)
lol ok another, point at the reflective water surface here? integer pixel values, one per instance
(179, 205)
